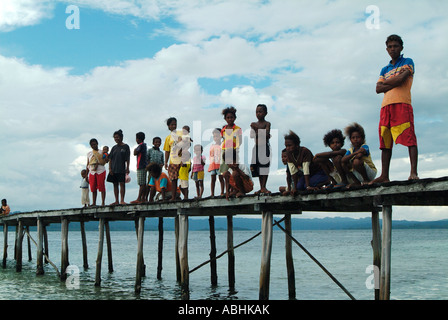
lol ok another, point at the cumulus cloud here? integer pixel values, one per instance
(319, 61)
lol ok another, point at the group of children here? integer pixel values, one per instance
(338, 168)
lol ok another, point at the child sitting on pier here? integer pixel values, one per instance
(357, 162)
(239, 180)
(335, 140)
(159, 182)
(301, 159)
(285, 190)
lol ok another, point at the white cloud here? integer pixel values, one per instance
(20, 13)
(321, 61)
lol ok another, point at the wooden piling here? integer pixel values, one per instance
(213, 273)
(289, 259)
(5, 244)
(183, 254)
(40, 253)
(266, 249)
(176, 248)
(64, 248)
(160, 250)
(230, 253)
(19, 240)
(28, 240)
(109, 247)
(46, 249)
(100, 252)
(140, 262)
(376, 246)
(386, 253)
(84, 245)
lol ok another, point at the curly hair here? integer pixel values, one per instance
(330, 135)
(355, 127)
(229, 110)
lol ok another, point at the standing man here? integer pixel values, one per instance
(396, 117)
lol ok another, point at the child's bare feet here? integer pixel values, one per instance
(380, 179)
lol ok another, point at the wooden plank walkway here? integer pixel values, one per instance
(375, 198)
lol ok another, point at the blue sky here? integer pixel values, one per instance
(134, 63)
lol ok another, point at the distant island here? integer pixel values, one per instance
(201, 224)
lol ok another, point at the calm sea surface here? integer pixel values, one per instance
(419, 267)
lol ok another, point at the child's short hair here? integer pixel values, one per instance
(394, 37)
(330, 135)
(169, 120)
(263, 106)
(355, 127)
(140, 136)
(154, 168)
(229, 110)
(293, 137)
(155, 138)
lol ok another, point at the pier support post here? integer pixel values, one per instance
(140, 262)
(40, 248)
(386, 253)
(100, 253)
(266, 248)
(109, 247)
(183, 253)
(5, 244)
(30, 257)
(176, 247)
(213, 273)
(19, 242)
(376, 246)
(84, 245)
(64, 248)
(230, 253)
(160, 250)
(289, 259)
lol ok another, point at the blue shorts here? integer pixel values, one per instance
(315, 180)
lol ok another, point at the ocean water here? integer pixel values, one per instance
(419, 267)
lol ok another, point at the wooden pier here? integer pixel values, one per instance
(373, 199)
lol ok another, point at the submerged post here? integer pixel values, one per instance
(5, 244)
(64, 248)
(40, 249)
(140, 262)
(84, 245)
(289, 259)
(183, 253)
(160, 250)
(100, 253)
(109, 247)
(19, 241)
(213, 274)
(266, 248)
(376, 246)
(386, 253)
(230, 253)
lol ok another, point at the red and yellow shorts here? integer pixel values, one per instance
(397, 124)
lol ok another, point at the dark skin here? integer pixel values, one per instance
(354, 160)
(394, 50)
(335, 155)
(261, 124)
